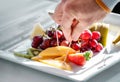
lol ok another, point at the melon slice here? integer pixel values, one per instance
(57, 51)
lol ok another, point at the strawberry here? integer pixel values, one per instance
(80, 58)
(77, 58)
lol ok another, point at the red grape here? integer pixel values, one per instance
(86, 35)
(93, 43)
(62, 38)
(84, 49)
(53, 43)
(37, 40)
(59, 34)
(50, 33)
(75, 46)
(84, 44)
(45, 44)
(99, 47)
(64, 43)
(96, 35)
(75, 41)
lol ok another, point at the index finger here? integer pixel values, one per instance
(66, 26)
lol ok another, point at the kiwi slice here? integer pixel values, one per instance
(103, 29)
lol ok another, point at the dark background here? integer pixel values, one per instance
(117, 8)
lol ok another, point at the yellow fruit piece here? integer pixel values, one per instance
(37, 30)
(91, 54)
(62, 58)
(57, 63)
(57, 51)
(37, 58)
(103, 29)
(117, 39)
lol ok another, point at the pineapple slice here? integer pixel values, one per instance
(37, 30)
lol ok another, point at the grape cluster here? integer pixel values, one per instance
(90, 41)
(87, 41)
(43, 42)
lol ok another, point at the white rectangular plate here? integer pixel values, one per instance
(92, 67)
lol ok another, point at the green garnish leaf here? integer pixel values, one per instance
(87, 55)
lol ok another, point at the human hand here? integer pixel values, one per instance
(85, 12)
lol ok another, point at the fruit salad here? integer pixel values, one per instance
(50, 46)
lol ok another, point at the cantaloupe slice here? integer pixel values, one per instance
(57, 51)
(37, 58)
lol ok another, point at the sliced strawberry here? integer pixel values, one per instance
(77, 58)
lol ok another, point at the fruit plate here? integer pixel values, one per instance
(103, 60)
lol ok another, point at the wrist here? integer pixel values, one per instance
(107, 5)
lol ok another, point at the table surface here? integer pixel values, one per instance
(12, 72)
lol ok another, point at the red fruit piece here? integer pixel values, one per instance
(58, 34)
(86, 35)
(96, 35)
(77, 58)
(84, 44)
(45, 44)
(53, 43)
(62, 38)
(50, 33)
(64, 43)
(37, 40)
(75, 46)
(99, 47)
(93, 43)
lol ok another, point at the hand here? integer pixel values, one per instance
(84, 11)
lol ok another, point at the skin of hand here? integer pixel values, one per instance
(84, 11)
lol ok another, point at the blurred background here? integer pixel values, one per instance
(17, 18)
(117, 8)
